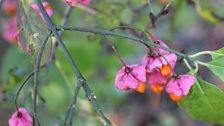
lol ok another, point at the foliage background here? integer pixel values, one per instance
(183, 29)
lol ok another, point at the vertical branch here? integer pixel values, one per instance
(92, 98)
(66, 15)
(36, 70)
(51, 26)
(64, 21)
(68, 119)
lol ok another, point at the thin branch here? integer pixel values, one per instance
(92, 98)
(163, 11)
(187, 64)
(126, 27)
(20, 88)
(68, 119)
(119, 57)
(36, 70)
(64, 21)
(117, 34)
(205, 53)
(51, 26)
(66, 16)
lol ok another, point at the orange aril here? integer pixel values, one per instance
(165, 70)
(175, 97)
(157, 88)
(141, 87)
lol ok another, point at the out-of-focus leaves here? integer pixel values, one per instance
(205, 102)
(207, 15)
(126, 16)
(214, 6)
(32, 31)
(204, 10)
(109, 14)
(187, 14)
(56, 97)
(13, 72)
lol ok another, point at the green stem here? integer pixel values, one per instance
(64, 21)
(68, 119)
(19, 90)
(66, 16)
(199, 54)
(36, 70)
(117, 34)
(187, 64)
(201, 63)
(196, 67)
(204, 53)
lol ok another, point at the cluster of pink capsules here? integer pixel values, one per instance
(156, 68)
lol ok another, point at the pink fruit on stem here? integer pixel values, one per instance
(20, 118)
(154, 60)
(157, 81)
(180, 86)
(130, 76)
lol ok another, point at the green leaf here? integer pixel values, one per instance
(217, 67)
(205, 102)
(32, 31)
(218, 53)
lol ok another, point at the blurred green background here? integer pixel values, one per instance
(183, 28)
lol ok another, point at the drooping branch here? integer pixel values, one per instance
(36, 70)
(20, 88)
(122, 35)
